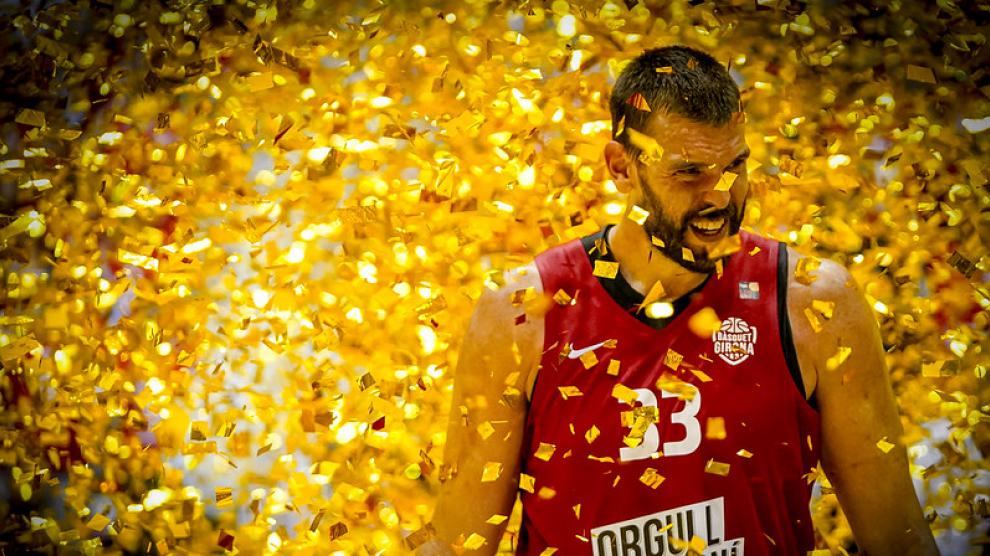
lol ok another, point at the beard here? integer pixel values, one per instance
(672, 233)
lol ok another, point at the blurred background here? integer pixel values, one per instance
(241, 240)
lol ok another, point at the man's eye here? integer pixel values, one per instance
(737, 164)
(688, 172)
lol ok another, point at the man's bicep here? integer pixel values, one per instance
(862, 453)
(485, 428)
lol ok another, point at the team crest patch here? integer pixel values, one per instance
(735, 341)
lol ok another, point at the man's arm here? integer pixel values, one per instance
(862, 452)
(487, 418)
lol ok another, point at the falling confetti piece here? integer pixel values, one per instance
(613, 367)
(569, 391)
(638, 215)
(715, 428)
(591, 434)
(717, 468)
(838, 359)
(623, 394)
(605, 269)
(933, 369)
(527, 483)
(637, 101)
(485, 430)
(803, 271)
(656, 292)
(884, 446)
(651, 478)
(725, 181)
(704, 323)
(545, 451)
(491, 471)
(496, 519)
(825, 308)
(673, 359)
(920, 74)
(816, 324)
(474, 541)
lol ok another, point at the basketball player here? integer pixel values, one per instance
(630, 422)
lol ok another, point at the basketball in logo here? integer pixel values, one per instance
(735, 341)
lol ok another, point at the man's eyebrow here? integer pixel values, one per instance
(684, 164)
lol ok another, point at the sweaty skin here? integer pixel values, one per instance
(856, 402)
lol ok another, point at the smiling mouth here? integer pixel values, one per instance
(708, 227)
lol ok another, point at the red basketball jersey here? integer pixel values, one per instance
(643, 442)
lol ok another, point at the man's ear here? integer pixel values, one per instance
(619, 166)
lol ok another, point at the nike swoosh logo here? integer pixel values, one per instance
(575, 353)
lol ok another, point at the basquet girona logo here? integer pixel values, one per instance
(735, 341)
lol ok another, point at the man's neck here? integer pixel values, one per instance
(632, 250)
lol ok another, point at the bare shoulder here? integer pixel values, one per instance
(508, 321)
(826, 309)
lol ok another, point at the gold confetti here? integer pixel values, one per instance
(687, 254)
(561, 297)
(546, 493)
(577, 510)
(920, 74)
(656, 292)
(838, 359)
(613, 368)
(623, 394)
(743, 453)
(485, 430)
(224, 496)
(651, 478)
(496, 519)
(884, 446)
(545, 451)
(717, 468)
(754, 250)
(637, 101)
(657, 241)
(933, 369)
(826, 308)
(527, 483)
(672, 359)
(569, 391)
(803, 271)
(591, 434)
(638, 215)
(605, 269)
(548, 551)
(704, 323)
(702, 376)
(816, 325)
(715, 428)
(665, 69)
(588, 359)
(725, 181)
(650, 150)
(474, 541)
(491, 471)
(98, 522)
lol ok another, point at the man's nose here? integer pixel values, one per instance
(715, 198)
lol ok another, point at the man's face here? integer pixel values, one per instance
(681, 190)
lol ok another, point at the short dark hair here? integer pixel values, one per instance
(676, 79)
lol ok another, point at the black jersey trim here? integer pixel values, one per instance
(784, 321)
